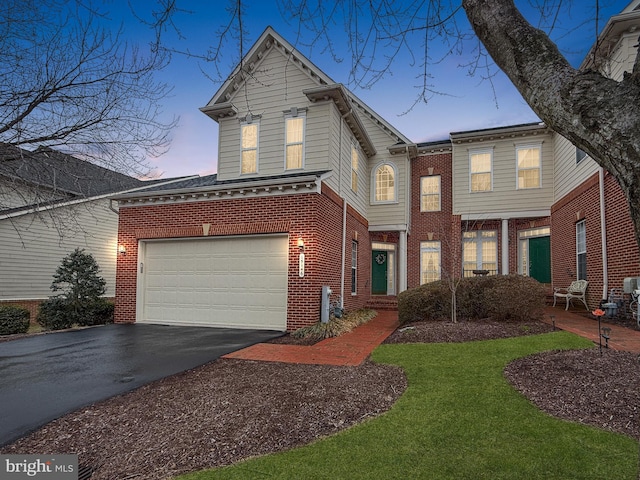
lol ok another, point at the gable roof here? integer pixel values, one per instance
(221, 104)
(65, 178)
(59, 172)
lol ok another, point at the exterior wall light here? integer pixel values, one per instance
(301, 258)
(122, 250)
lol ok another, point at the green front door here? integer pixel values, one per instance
(379, 259)
(540, 259)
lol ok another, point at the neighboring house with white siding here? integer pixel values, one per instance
(50, 204)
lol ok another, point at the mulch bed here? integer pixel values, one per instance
(230, 410)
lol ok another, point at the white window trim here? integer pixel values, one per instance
(439, 177)
(523, 147)
(375, 184)
(257, 123)
(354, 268)
(581, 252)
(298, 114)
(477, 239)
(477, 151)
(437, 249)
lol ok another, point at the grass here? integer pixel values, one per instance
(458, 419)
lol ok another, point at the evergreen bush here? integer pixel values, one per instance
(79, 299)
(13, 320)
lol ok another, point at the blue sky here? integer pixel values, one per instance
(468, 102)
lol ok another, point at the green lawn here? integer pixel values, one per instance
(458, 419)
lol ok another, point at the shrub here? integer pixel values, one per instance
(499, 297)
(13, 320)
(55, 314)
(335, 326)
(99, 312)
(516, 298)
(429, 302)
(79, 301)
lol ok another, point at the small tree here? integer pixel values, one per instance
(80, 286)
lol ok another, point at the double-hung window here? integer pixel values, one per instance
(355, 159)
(429, 261)
(294, 147)
(354, 267)
(430, 194)
(581, 250)
(481, 170)
(529, 166)
(249, 147)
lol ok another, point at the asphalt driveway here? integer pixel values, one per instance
(46, 376)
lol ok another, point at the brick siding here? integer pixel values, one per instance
(317, 219)
(583, 203)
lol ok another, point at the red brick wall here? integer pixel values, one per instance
(622, 251)
(438, 226)
(317, 219)
(623, 255)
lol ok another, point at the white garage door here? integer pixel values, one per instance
(238, 282)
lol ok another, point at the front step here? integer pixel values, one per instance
(383, 303)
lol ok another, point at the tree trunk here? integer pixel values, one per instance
(597, 114)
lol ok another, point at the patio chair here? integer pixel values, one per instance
(577, 289)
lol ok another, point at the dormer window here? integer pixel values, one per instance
(294, 143)
(249, 146)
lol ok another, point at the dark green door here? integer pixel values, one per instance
(540, 259)
(379, 260)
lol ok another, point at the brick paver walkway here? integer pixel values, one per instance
(621, 338)
(349, 349)
(353, 348)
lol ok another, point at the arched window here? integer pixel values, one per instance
(384, 178)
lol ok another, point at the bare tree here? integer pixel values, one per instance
(70, 83)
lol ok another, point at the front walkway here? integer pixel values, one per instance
(350, 349)
(621, 338)
(353, 348)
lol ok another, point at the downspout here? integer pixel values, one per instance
(603, 234)
(117, 212)
(344, 212)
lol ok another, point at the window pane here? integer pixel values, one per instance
(528, 178)
(528, 158)
(248, 161)
(249, 136)
(294, 156)
(294, 130)
(429, 262)
(354, 168)
(385, 184)
(480, 182)
(430, 194)
(480, 162)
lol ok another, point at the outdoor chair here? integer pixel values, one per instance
(577, 289)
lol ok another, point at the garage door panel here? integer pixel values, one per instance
(231, 281)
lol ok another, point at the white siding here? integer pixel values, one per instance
(276, 86)
(568, 173)
(33, 247)
(622, 57)
(505, 196)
